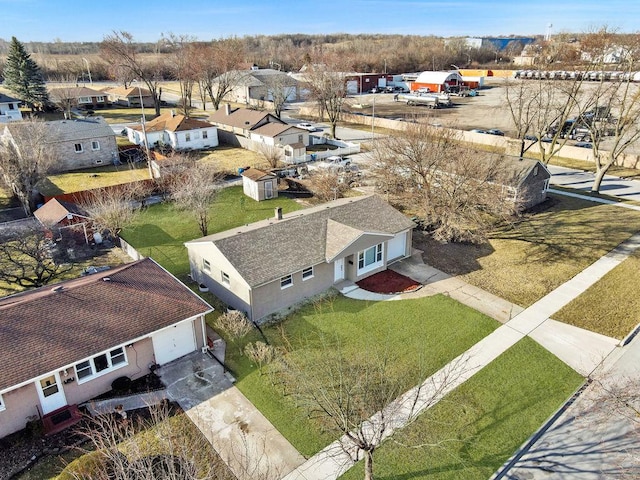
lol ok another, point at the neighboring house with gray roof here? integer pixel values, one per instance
(80, 143)
(266, 267)
(63, 344)
(259, 84)
(256, 130)
(9, 109)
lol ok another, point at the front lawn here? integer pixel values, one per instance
(611, 305)
(160, 230)
(93, 178)
(523, 262)
(480, 424)
(420, 336)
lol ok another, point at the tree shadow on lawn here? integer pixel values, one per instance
(565, 228)
(561, 229)
(47, 188)
(452, 258)
(148, 235)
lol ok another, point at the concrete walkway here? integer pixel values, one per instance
(242, 436)
(581, 349)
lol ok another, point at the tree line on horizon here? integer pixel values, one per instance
(290, 52)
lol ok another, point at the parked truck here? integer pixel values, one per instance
(426, 100)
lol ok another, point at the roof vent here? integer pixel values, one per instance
(106, 279)
(59, 288)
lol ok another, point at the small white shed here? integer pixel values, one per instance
(259, 185)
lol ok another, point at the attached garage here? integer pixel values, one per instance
(397, 246)
(174, 342)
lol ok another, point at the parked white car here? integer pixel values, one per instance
(306, 126)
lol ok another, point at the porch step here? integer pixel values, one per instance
(61, 419)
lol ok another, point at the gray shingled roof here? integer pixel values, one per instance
(42, 330)
(7, 99)
(241, 118)
(268, 250)
(67, 130)
(275, 129)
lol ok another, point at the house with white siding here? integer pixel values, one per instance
(176, 131)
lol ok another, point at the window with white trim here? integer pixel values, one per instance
(101, 364)
(206, 265)
(205, 134)
(286, 281)
(370, 258)
(225, 279)
(99, 98)
(187, 137)
(78, 147)
(84, 99)
(95, 145)
(307, 273)
(2, 407)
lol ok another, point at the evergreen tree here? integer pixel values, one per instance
(23, 76)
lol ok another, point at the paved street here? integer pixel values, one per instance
(595, 437)
(614, 186)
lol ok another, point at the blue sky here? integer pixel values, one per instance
(91, 20)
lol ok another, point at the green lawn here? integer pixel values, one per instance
(480, 424)
(525, 261)
(92, 178)
(611, 305)
(420, 336)
(160, 230)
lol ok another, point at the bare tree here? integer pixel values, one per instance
(217, 65)
(458, 193)
(26, 157)
(362, 400)
(234, 324)
(65, 99)
(280, 88)
(184, 68)
(162, 445)
(327, 184)
(31, 260)
(194, 191)
(540, 112)
(119, 49)
(271, 153)
(610, 111)
(114, 208)
(327, 84)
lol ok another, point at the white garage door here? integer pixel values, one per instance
(396, 247)
(173, 342)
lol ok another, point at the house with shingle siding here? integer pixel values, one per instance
(265, 267)
(176, 131)
(64, 344)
